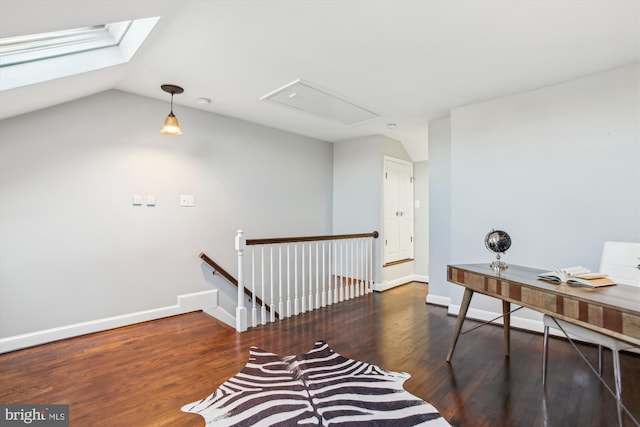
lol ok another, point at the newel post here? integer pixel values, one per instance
(241, 310)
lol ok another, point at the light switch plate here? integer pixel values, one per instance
(151, 200)
(187, 200)
(136, 200)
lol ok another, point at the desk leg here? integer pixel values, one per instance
(466, 299)
(506, 316)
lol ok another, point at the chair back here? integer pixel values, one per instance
(621, 261)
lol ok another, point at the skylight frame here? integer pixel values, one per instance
(123, 41)
(37, 47)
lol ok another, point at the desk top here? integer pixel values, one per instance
(614, 310)
(624, 297)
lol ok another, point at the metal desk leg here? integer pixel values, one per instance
(466, 299)
(506, 313)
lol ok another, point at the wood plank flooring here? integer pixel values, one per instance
(141, 375)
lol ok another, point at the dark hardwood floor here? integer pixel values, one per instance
(141, 375)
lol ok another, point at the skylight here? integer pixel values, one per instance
(35, 58)
(35, 47)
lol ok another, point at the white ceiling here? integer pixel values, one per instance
(408, 61)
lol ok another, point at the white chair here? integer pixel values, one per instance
(621, 261)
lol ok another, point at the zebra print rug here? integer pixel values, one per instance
(320, 388)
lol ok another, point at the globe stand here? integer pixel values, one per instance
(499, 265)
(497, 241)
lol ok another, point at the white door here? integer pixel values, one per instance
(398, 210)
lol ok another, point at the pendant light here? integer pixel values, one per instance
(171, 126)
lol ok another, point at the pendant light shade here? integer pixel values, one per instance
(171, 126)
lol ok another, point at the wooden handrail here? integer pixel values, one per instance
(269, 241)
(233, 280)
(218, 269)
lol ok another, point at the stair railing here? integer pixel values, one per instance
(224, 273)
(299, 274)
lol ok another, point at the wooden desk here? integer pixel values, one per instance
(613, 310)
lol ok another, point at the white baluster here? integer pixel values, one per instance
(317, 275)
(263, 308)
(288, 283)
(296, 301)
(280, 302)
(336, 292)
(254, 310)
(354, 250)
(363, 285)
(303, 285)
(356, 262)
(311, 307)
(360, 289)
(341, 244)
(241, 310)
(323, 297)
(329, 270)
(272, 284)
(371, 258)
(347, 294)
(350, 268)
(345, 269)
(366, 266)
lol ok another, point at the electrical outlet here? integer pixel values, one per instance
(187, 200)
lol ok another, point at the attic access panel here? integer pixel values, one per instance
(307, 97)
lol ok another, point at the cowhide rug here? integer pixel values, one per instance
(319, 388)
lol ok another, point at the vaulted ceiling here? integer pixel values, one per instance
(408, 61)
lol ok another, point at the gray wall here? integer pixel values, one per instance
(397, 274)
(421, 220)
(74, 249)
(357, 192)
(357, 187)
(558, 168)
(439, 210)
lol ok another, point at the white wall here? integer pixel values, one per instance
(73, 249)
(558, 168)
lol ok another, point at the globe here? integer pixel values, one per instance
(497, 241)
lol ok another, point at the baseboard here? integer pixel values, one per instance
(420, 278)
(485, 316)
(377, 287)
(516, 322)
(438, 300)
(222, 315)
(389, 284)
(204, 300)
